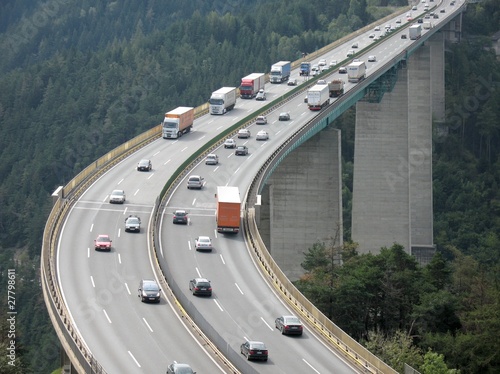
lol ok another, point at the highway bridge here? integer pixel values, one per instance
(92, 296)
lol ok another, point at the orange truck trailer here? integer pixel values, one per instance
(228, 209)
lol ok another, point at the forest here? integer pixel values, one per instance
(79, 78)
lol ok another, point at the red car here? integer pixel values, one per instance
(102, 243)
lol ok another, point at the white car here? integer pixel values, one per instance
(212, 159)
(229, 143)
(117, 196)
(244, 134)
(261, 120)
(195, 181)
(321, 82)
(262, 135)
(333, 63)
(372, 58)
(350, 53)
(371, 36)
(377, 28)
(203, 243)
(322, 62)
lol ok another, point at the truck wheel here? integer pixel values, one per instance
(179, 134)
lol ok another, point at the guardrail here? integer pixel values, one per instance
(74, 345)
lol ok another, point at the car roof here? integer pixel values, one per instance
(201, 280)
(256, 342)
(118, 191)
(194, 177)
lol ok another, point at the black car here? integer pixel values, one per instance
(149, 291)
(254, 350)
(132, 223)
(180, 216)
(288, 325)
(403, 36)
(241, 150)
(200, 286)
(144, 165)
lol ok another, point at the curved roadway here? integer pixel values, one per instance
(100, 289)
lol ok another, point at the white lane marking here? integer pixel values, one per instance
(308, 364)
(156, 153)
(230, 155)
(119, 232)
(194, 201)
(216, 169)
(189, 244)
(278, 132)
(222, 259)
(218, 305)
(119, 258)
(263, 144)
(151, 176)
(147, 324)
(125, 211)
(263, 320)
(106, 314)
(91, 227)
(92, 280)
(88, 252)
(167, 162)
(136, 192)
(106, 198)
(183, 149)
(215, 233)
(120, 181)
(133, 358)
(198, 271)
(236, 171)
(128, 290)
(251, 155)
(239, 289)
(201, 137)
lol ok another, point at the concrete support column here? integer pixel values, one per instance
(436, 44)
(420, 108)
(392, 186)
(304, 198)
(381, 201)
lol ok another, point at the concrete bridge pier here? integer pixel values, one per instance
(392, 185)
(302, 202)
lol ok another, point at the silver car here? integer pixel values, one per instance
(117, 196)
(244, 134)
(132, 223)
(212, 159)
(195, 181)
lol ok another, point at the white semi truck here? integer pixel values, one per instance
(318, 97)
(222, 100)
(356, 71)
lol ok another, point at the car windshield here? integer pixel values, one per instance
(170, 125)
(194, 179)
(150, 286)
(117, 193)
(144, 162)
(183, 370)
(216, 101)
(103, 239)
(204, 240)
(292, 320)
(203, 284)
(180, 214)
(133, 220)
